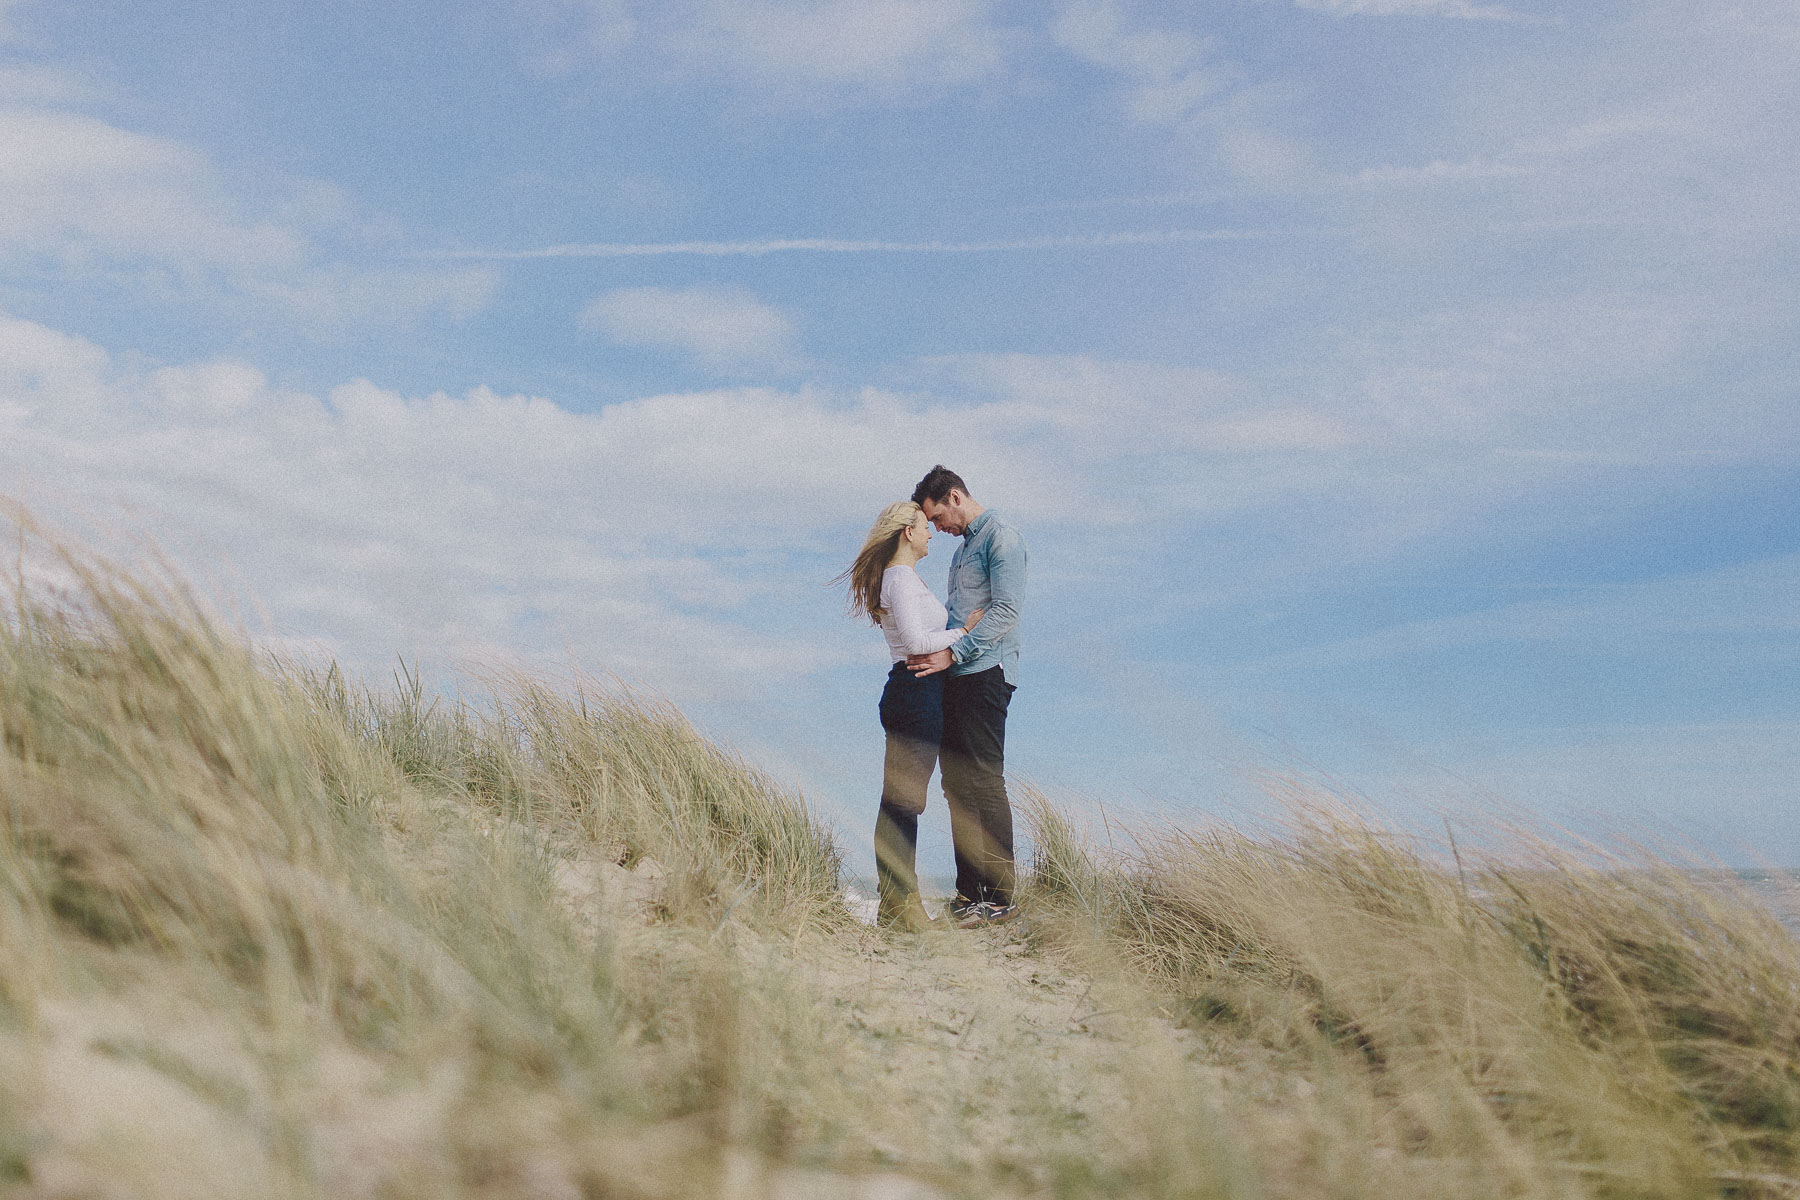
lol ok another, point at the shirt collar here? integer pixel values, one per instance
(977, 523)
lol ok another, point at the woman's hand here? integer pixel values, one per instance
(974, 619)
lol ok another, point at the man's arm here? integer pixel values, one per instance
(922, 665)
(1006, 587)
(1006, 583)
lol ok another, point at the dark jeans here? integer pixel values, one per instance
(974, 754)
(912, 712)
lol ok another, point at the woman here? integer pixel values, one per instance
(885, 588)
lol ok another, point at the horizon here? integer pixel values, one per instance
(1394, 394)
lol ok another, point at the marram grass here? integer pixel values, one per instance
(268, 931)
(1532, 1022)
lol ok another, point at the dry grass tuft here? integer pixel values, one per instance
(1534, 1023)
(353, 896)
(271, 932)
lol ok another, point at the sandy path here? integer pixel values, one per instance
(992, 1053)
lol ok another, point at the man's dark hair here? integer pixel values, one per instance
(937, 484)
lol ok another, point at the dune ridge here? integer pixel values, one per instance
(269, 931)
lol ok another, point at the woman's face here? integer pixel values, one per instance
(918, 535)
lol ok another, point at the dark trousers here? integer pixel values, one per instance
(912, 712)
(974, 760)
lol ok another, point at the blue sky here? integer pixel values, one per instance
(1399, 392)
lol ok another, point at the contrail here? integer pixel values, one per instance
(849, 246)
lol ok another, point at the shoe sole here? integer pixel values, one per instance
(979, 920)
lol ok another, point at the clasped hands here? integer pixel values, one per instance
(922, 665)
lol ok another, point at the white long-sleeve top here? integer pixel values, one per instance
(912, 618)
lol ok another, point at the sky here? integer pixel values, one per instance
(1395, 394)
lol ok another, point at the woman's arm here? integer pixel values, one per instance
(914, 612)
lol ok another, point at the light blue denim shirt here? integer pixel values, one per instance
(988, 571)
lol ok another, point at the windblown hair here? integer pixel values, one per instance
(878, 549)
(937, 484)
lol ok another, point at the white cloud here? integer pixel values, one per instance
(76, 187)
(576, 31)
(1666, 116)
(38, 83)
(1425, 8)
(806, 51)
(726, 329)
(654, 537)
(1621, 168)
(885, 46)
(453, 525)
(1171, 72)
(1176, 80)
(1439, 171)
(341, 294)
(658, 536)
(1131, 409)
(95, 198)
(681, 540)
(1671, 124)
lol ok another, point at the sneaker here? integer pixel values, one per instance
(984, 912)
(959, 907)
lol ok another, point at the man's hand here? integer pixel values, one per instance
(922, 665)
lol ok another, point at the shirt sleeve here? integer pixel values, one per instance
(921, 630)
(1006, 581)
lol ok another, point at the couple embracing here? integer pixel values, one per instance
(946, 696)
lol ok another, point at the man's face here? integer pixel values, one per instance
(947, 513)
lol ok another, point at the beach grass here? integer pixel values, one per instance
(267, 930)
(1534, 1019)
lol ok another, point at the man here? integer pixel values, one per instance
(988, 572)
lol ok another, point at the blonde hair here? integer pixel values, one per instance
(878, 550)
